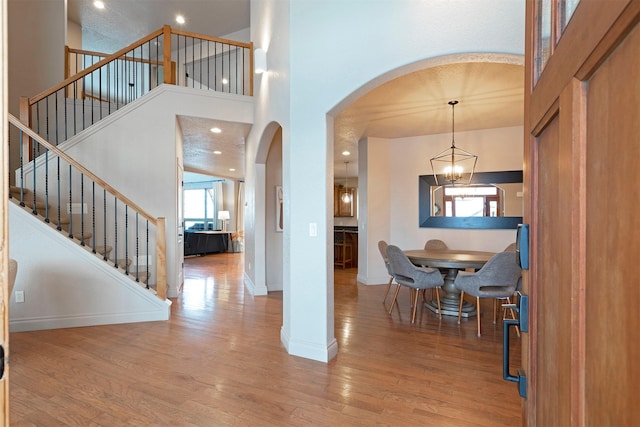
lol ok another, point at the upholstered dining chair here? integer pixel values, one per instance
(382, 247)
(413, 277)
(435, 244)
(497, 279)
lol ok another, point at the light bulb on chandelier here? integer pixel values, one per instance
(346, 196)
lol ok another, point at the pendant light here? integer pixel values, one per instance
(346, 196)
(454, 164)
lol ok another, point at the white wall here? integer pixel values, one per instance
(37, 34)
(74, 35)
(497, 150)
(269, 31)
(321, 56)
(135, 151)
(65, 285)
(36, 37)
(392, 175)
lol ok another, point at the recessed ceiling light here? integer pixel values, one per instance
(217, 152)
(98, 4)
(180, 19)
(232, 170)
(346, 153)
(215, 130)
(224, 81)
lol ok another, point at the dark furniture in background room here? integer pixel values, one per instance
(206, 242)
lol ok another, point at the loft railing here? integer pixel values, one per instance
(166, 56)
(75, 201)
(76, 60)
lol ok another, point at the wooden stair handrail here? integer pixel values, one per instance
(94, 67)
(86, 52)
(209, 38)
(159, 223)
(85, 171)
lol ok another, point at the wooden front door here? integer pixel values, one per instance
(582, 180)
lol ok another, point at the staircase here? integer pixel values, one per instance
(62, 222)
(88, 254)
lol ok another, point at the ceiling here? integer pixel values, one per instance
(490, 95)
(122, 22)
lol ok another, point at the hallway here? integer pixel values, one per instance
(219, 362)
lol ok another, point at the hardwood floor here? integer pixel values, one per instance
(219, 362)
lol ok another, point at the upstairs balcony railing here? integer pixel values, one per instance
(76, 60)
(70, 198)
(103, 85)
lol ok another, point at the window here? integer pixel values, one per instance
(199, 210)
(551, 19)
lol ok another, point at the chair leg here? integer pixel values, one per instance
(415, 305)
(438, 299)
(460, 306)
(395, 297)
(388, 289)
(478, 315)
(495, 310)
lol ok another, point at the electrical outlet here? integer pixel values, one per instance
(19, 296)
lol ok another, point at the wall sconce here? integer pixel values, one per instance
(259, 61)
(224, 217)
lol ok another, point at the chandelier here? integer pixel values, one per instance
(454, 164)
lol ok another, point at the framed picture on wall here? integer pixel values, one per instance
(279, 214)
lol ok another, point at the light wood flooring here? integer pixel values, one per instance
(219, 362)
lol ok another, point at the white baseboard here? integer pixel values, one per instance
(381, 280)
(58, 322)
(252, 288)
(309, 350)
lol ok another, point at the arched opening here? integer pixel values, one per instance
(388, 124)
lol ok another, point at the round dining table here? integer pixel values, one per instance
(453, 260)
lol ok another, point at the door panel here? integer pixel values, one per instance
(613, 239)
(553, 280)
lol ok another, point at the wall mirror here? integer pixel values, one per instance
(491, 200)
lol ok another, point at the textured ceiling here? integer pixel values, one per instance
(491, 95)
(122, 22)
(200, 144)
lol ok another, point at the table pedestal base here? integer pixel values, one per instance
(448, 309)
(452, 261)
